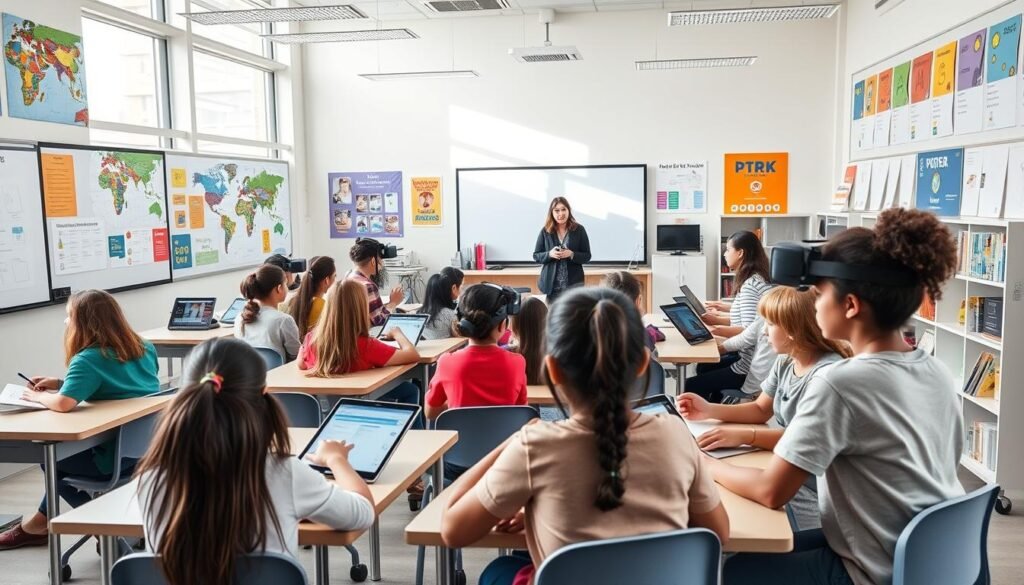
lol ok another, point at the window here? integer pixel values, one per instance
(206, 146)
(121, 74)
(231, 98)
(241, 36)
(148, 8)
(118, 138)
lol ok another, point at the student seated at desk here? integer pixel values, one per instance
(308, 303)
(262, 325)
(627, 284)
(802, 350)
(881, 430)
(527, 337)
(106, 360)
(605, 472)
(439, 302)
(368, 256)
(223, 422)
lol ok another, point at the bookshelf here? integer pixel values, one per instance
(829, 223)
(773, 229)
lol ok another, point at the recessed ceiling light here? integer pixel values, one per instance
(703, 63)
(418, 75)
(344, 36)
(767, 14)
(293, 14)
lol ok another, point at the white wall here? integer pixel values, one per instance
(597, 111)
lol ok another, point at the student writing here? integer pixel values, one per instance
(262, 324)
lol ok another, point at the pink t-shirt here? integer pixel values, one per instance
(372, 353)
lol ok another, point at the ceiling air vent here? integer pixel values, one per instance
(466, 5)
(546, 53)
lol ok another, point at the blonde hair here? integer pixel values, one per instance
(346, 318)
(793, 311)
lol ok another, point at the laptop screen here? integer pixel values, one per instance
(192, 312)
(374, 428)
(411, 325)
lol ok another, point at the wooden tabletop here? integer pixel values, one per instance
(676, 350)
(539, 395)
(289, 378)
(165, 336)
(117, 513)
(753, 528)
(431, 350)
(86, 420)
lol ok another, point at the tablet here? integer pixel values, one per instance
(685, 319)
(412, 324)
(693, 300)
(236, 307)
(374, 428)
(192, 313)
(662, 403)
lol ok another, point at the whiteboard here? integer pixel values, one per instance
(24, 281)
(505, 208)
(226, 213)
(106, 217)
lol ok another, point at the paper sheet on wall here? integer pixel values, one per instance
(920, 98)
(861, 186)
(970, 92)
(1015, 183)
(892, 183)
(879, 173)
(682, 187)
(883, 114)
(942, 91)
(841, 196)
(900, 126)
(993, 181)
(1001, 96)
(908, 176)
(973, 168)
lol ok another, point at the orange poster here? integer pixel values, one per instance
(921, 78)
(756, 183)
(59, 193)
(266, 241)
(178, 199)
(945, 70)
(180, 219)
(426, 201)
(195, 212)
(871, 96)
(885, 91)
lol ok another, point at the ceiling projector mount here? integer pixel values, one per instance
(546, 53)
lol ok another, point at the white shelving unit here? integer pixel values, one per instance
(829, 223)
(669, 272)
(774, 229)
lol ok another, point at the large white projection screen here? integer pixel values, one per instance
(505, 208)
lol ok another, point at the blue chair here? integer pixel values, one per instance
(481, 429)
(302, 410)
(256, 569)
(691, 556)
(656, 385)
(947, 544)
(270, 357)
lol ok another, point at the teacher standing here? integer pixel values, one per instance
(562, 249)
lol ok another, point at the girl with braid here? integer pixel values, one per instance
(604, 472)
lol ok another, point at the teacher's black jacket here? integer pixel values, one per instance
(576, 241)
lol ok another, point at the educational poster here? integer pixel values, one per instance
(23, 278)
(681, 187)
(227, 213)
(993, 181)
(425, 201)
(863, 128)
(883, 115)
(1001, 77)
(943, 81)
(939, 181)
(862, 186)
(45, 70)
(970, 95)
(1015, 183)
(892, 184)
(841, 196)
(365, 204)
(908, 174)
(973, 161)
(879, 176)
(870, 108)
(756, 183)
(900, 127)
(920, 102)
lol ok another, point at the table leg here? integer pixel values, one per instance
(680, 379)
(321, 572)
(443, 560)
(375, 550)
(425, 377)
(52, 509)
(170, 368)
(107, 548)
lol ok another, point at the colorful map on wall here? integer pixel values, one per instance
(226, 214)
(45, 73)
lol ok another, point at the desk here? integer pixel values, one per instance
(753, 528)
(44, 436)
(117, 513)
(539, 395)
(675, 349)
(368, 383)
(176, 344)
(527, 276)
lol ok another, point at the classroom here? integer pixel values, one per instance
(511, 292)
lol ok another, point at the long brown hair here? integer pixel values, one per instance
(208, 462)
(528, 327)
(793, 311)
(755, 259)
(625, 283)
(258, 286)
(96, 320)
(550, 224)
(320, 269)
(336, 337)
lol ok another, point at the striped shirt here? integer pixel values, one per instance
(378, 312)
(743, 313)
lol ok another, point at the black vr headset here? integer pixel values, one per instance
(509, 302)
(385, 251)
(800, 265)
(293, 265)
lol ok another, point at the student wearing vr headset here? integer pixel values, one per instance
(882, 430)
(368, 255)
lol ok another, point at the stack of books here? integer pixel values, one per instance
(984, 315)
(980, 443)
(982, 255)
(927, 308)
(728, 287)
(984, 379)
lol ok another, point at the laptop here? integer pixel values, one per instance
(685, 319)
(374, 428)
(693, 300)
(412, 324)
(193, 314)
(661, 404)
(229, 316)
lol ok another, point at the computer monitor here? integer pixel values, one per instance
(679, 238)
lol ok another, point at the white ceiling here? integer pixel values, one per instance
(396, 10)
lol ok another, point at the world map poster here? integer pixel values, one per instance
(45, 69)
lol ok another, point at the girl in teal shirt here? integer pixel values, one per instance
(106, 360)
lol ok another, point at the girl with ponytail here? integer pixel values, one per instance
(606, 471)
(309, 302)
(262, 325)
(223, 425)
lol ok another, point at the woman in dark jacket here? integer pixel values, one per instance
(562, 249)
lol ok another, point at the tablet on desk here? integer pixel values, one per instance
(693, 300)
(374, 428)
(685, 319)
(411, 324)
(661, 403)
(229, 316)
(192, 314)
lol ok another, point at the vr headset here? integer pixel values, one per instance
(293, 265)
(509, 303)
(386, 251)
(800, 265)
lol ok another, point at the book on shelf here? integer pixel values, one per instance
(980, 443)
(926, 343)
(992, 318)
(728, 287)
(927, 308)
(984, 378)
(982, 255)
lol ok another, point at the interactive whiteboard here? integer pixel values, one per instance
(24, 281)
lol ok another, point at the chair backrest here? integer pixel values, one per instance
(302, 410)
(270, 357)
(257, 569)
(133, 438)
(481, 429)
(690, 556)
(947, 543)
(657, 383)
